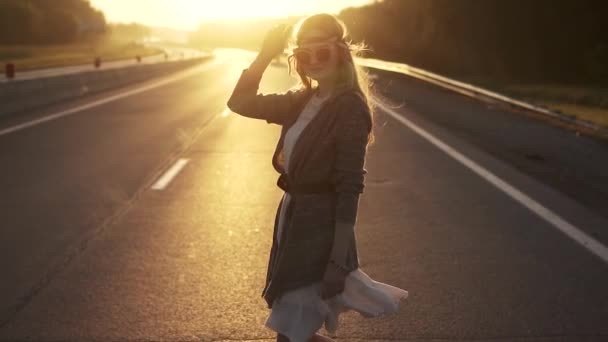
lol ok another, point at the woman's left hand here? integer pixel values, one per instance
(333, 281)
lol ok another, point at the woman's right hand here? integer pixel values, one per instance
(333, 282)
(275, 41)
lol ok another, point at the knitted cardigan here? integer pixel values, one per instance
(331, 149)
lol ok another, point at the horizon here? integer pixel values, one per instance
(183, 14)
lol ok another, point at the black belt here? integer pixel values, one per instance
(304, 188)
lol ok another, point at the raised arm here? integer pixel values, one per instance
(245, 100)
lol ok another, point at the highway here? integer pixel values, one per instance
(149, 218)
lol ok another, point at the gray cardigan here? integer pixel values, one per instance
(330, 149)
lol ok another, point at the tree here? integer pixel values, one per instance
(48, 22)
(16, 22)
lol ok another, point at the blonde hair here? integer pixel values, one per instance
(350, 74)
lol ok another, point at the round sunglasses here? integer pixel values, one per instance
(320, 53)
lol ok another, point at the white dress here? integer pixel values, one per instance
(301, 312)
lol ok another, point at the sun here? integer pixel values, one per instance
(234, 9)
(188, 14)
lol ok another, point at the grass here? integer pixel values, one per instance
(586, 102)
(596, 115)
(28, 57)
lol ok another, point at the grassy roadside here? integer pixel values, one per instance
(26, 57)
(589, 103)
(592, 114)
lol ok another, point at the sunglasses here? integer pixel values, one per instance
(305, 56)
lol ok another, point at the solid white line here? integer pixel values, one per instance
(163, 181)
(177, 77)
(588, 242)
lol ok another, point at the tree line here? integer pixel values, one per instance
(48, 22)
(510, 40)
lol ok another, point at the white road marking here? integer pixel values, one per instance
(588, 242)
(171, 79)
(163, 181)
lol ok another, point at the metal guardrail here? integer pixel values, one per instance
(11, 72)
(22, 95)
(476, 92)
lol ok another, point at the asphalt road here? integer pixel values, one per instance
(91, 250)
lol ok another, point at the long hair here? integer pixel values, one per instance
(349, 74)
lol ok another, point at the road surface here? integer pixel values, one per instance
(149, 217)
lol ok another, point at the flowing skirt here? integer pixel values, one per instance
(301, 312)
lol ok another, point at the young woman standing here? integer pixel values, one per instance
(313, 272)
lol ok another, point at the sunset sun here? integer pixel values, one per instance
(188, 14)
(231, 9)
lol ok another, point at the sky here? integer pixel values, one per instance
(187, 14)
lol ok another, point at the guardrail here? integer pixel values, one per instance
(476, 92)
(21, 95)
(12, 72)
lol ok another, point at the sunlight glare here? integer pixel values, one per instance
(188, 14)
(232, 9)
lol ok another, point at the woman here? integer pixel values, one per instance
(313, 271)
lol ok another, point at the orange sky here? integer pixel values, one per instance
(187, 14)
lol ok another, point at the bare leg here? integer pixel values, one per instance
(320, 338)
(315, 338)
